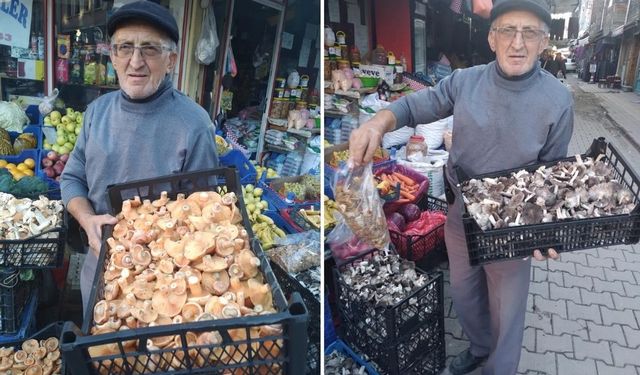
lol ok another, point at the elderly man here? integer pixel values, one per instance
(507, 114)
(146, 129)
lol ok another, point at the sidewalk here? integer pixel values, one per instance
(583, 312)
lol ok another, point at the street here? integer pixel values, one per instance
(583, 312)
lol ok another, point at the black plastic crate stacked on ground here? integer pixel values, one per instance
(424, 249)
(406, 338)
(290, 285)
(486, 246)
(52, 330)
(276, 354)
(15, 294)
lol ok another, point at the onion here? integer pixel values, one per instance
(410, 212)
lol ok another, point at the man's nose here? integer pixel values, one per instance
(137, 60)
(518, 41)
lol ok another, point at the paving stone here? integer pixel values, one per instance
(624, 317)
(539, 321)
(598, 298)
(454, 345)
(590, 271)
(631, 255)
(622, 303)
(575, 327)
(552, 343)
(631, 290)
(545, 306)
(573, 366)
(604, 369)
(545, 363)
(608, 286)
(529, 339)
(556, 277)
(595, 350)
(626, 275)
(612, 253)
(584, 282)
(452, 327)
(632, 335)
(637, 276)
(559, 292)
(541, 289)
(624, 356)
(594, 261)
(613, 333)
(622, 265)
(586, 312)
(540, 274)
(574, 257)
(562, 266)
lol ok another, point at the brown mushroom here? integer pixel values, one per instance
(33, 370)
(162, 201)
(113, 323)
(146, 313)
(235, 271)
(236, 286)
(20, 356)
(258, 293)
(163, 280)
(230, 231)
(111, 273)
(119, 230)
(191, 311)
(166, 266)
(161, 341)
(236, 215)
(122, 259)
(229, 198)
(194, 250)
(211, 263)
(215, 305)
(100, 314)
(124, 309)
(248, 263)
(178, 286)
(220, 283)
(40, 353)
(30, 360)
(194, 285)
(238, 244)
(131, 322)
(53, 355)
(209, 338)
(111, 290)
(142, 289)
(224, 246)
(168, 304)
(200, 300)
(230, 310)
(140, 255)
(198, 223)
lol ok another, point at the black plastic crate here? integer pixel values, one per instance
(52, 330)
(417, 247)
(45, 250)
(486, 246)
(397, 337)
(290, 285)
(14, 297)
(284, 353)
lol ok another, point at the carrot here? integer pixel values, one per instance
(407, 195)
(404, 178)
(402, 200)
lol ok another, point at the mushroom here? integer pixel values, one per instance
(211, 263)
(53, 356)
(224, 246)
(235, 271)
(111, 290)
(20, 356)
(194, 249)
(33, 370)
(229, 199)
(231, 310)
(217, 213)
(198, 222)
(162, 201)
(201, 198)
(100, 316)
(146, 313)
(248, 263)
(215, 305)
(142, 289)
(216, 282)
(191, 311)
(258, 293)
(178, 286)
(194, 285)
(140, 255)
(161, 341)
(123, 310)
(168, 304)
(113, 323)
(122, 260)
(166, 266)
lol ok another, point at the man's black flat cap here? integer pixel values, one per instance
(148, 11)
(537, 7)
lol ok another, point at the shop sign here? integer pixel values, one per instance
(15, 22)
(378, 71)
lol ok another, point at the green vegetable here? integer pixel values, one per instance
(27, 187)
(12, 117)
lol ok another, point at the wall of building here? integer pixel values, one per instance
(394, 33)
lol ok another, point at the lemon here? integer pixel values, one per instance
(10, 166)
(3, 163)
(28, 172)
(30, 163)
(22, 167)
(17, 175)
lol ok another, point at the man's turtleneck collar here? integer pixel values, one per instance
(521, 77)
(164, 86)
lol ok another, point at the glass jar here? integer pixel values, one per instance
(416, 148)
(327, 69)
(355, 54)
(343, 64)
(276, 108)
(301, 105)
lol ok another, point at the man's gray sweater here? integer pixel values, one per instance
(498, 123)
(124, 140)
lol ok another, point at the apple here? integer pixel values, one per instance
(77, 130)
(65, 119)
(55, 121)
(71, 127)
(55, 115)
(72, 138)
(60, 141)
(69, 110)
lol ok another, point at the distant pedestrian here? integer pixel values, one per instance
(562, 66)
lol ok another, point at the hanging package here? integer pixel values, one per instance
(208, 42)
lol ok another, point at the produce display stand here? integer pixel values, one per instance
(339, 346)
(246, 170)
(566, 235)
(404, 338)
(271, 194)
(285, 353)
(52, 330)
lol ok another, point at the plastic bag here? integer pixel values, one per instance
(208, 42)
(46, 106)
(361, 206)
(343, 243)
(297, 252)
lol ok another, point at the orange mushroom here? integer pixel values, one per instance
(51, 344)
(20, 356)
(168, 304)
(191, 311)
(111, 290)
(215, 305)
(258, 293)
(229, 198)
(235, 271)
(146, 313)
(248, 263)
(194, 249)
(166, 266)
(230, 310)
(142, 289)
(224, 246)
(35, 369)
(198, 223)
(140, 255)
(178, 286)
(162, 201)
(100, 316)
(194, 285)
(211, 263)
(122, 259)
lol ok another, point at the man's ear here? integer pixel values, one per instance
(173, 58)
(492, 40)
(543, 44)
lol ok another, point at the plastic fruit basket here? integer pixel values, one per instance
(486, 246)
(52, 330)
(421, 180)
(246, 170)
(15, 297)
(265, 355)
(340, 346)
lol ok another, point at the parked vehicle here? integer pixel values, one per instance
(570, 64)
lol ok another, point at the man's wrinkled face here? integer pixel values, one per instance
(517, 37)
(141, 57)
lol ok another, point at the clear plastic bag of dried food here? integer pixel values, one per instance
(360, 207)
(297, 252)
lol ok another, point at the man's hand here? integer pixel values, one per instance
(365, 140)
(93, 226)
(552, 253)
(82, 210)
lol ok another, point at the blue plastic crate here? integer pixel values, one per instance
(33, 113)
(54, 186)
(330, 335)
(340, 346)
(246, 170)
(27, 321)
(279, 221)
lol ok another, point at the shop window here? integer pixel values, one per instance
(420, 45)
(82, 65)
(22, 52)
